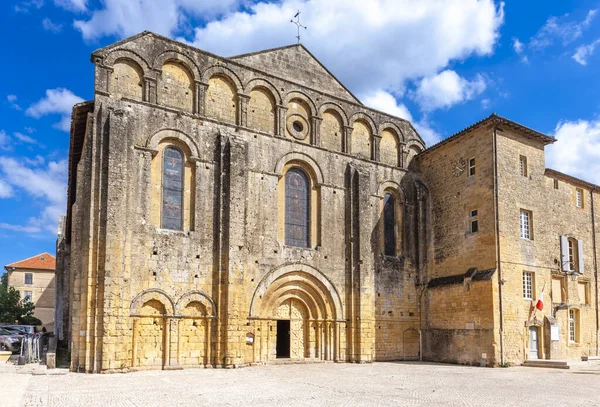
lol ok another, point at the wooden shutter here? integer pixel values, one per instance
(564, 251)
(580, 255)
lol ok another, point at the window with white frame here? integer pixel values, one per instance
(573, 255)
(573, 325)
(525, 220)
(28, 278)
(579, 197)
(523, 165)
(527, 285)
(28, 295)
(471, 167)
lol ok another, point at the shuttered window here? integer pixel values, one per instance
(172, 189)
(572, 255)
(583, 291)
(558, 291)
(297, 208)
(579, 197)
(523, 165)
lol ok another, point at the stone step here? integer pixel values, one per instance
(549, 364)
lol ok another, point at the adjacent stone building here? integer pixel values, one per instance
(505, 229)
(233, 211)
(34, 278)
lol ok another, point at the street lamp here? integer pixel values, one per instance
(570, 272)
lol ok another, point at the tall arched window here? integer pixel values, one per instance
(297, 208)
(389, 225)
(172, 189)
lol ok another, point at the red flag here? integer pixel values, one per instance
(540, 302)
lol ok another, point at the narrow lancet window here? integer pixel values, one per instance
(297, 208)
(172, 189)
(389, 225)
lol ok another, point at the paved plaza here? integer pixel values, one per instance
(325, 384)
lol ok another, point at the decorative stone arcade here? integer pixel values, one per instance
(309, 301)
(169, 335)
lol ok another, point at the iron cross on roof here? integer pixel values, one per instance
(297, 22)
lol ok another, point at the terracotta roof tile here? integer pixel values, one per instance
(44, 261)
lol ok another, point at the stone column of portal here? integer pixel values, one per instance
(317, 340)
(172, 343)
(280, 117)
(200, 98)
(134, 335)
(315, 130)
(179, 341)
(208, 341)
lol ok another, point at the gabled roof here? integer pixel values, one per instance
(298, 62)
(498, 121)
(42, 261)
(569, 178)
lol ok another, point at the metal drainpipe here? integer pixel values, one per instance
(498, 247)
(595, 266)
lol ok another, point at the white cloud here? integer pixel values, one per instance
(25, 6)
(577, 150)
(50, 26)
(518, 46)
(446, 89)
(24, 138)
(57, 101)
(126, 17)
(387, 103)
(583, 52)
(4, 141)
(12, 99)
(561, 29)
(46, 184)
(378, 44)
(6, 190)
(72, 5)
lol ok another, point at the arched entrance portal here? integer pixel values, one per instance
(299, 314)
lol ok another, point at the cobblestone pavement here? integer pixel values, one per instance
(377, 384)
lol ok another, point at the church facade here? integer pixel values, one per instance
(236, 211)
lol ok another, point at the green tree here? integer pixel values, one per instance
(4, 281)
(13, 309)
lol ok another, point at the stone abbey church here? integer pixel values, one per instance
(228, 212)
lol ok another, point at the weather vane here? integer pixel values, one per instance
(297, 22)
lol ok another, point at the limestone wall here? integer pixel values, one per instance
(554, 214)
(133, 281)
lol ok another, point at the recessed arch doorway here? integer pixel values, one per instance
(298, 310)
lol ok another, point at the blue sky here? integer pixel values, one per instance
(443, 65)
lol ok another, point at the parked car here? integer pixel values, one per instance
(30, 329)
(15, 331)
(9, 341)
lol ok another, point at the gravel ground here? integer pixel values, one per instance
(324, 384)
